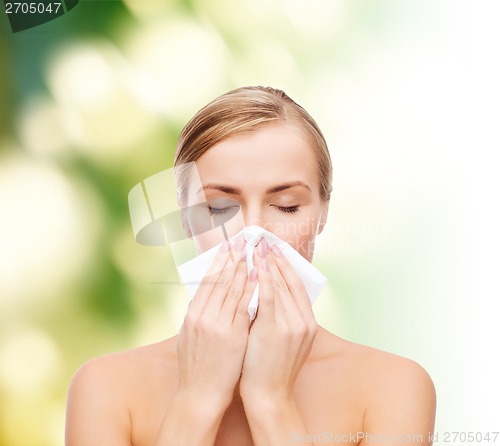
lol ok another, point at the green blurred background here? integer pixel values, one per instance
(92, 103)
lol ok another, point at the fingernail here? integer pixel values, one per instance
(277, 252)
(225, 246)
(239, 243)
(261, 249)
(253, 274)
(265, 246)
(264, 265)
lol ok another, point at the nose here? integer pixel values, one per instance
(253, 220)
(252, 235)
(252, 216)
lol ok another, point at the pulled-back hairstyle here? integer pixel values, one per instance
(242, 110)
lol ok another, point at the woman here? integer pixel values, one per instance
(280, 379)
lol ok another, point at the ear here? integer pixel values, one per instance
(324, 215)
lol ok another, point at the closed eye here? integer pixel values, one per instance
(288, 209)
(221, 206)
(218, 211)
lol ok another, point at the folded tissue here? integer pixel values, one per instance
(192, 272)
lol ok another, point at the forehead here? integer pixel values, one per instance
(266, 156)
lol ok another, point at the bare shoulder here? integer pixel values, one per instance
(109, 387)
(115, 369)
(377, 367)
(390, 374)
(396, 391)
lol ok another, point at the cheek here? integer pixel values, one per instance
(206, 239)
(299, 233)
(304, 244)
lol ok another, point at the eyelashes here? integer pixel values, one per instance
(222, 211)
(217, 211)
(289, 209)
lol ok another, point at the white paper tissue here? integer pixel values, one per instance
(192, 272)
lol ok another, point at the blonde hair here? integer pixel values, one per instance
(242, 110)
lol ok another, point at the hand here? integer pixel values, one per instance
(282, 335)
(212, 341)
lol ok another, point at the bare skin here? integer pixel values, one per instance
(280, 380)
(338, 390)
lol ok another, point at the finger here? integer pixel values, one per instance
(241, 316)
(207, 284)
(285, 306)
(235, 290)
(266, 310)
(225, 283)
(295, 285)
(291, 295)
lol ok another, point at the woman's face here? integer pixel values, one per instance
(267, 177)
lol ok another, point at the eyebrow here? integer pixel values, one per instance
(235, 191)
